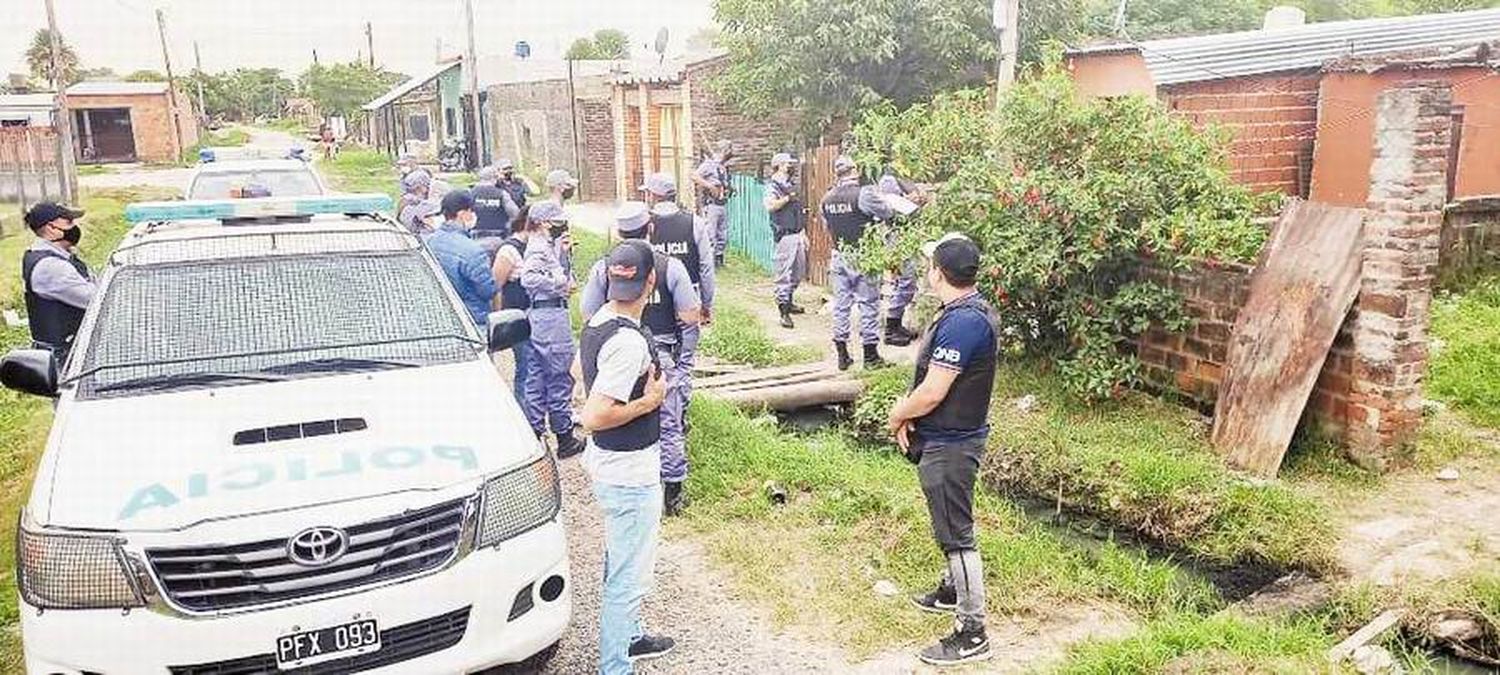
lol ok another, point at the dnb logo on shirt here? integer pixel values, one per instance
(946, 355)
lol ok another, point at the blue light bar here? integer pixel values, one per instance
(268, 207)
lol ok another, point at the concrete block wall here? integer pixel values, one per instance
(714, 119)
(538, 111)
(1273, 120)
(1471, 234)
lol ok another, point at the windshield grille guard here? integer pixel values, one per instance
(314, 241)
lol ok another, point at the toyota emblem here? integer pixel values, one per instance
(317, 546)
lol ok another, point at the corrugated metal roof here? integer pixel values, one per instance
(117, 88)
(1211, 57)
(26, 101)
(406, 87)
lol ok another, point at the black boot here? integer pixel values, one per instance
(673, 499)
(796, 309)
(786, 316)
(872, 358)
(719, 260)
(896, 334)
(569, 445)
(844, 361)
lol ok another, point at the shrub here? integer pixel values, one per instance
(1068, 198)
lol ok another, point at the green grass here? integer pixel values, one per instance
(737, 336)
(230, 137)
(1223, 643)
(1465, 370)
(361, 170)
(855, 516)
(1146, 464)
(286, 124)
(95, 169)
(24, 420)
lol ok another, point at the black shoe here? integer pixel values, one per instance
(966, 645)
(797, 309)
(896, 334)
(650, 647)
(941, 601)
(719, 260)
(786, 316)
(569, 445)
(872, 358)
(843, 349)
(673, 498)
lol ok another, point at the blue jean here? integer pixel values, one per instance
(632, 524)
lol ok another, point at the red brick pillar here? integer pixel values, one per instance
(1408, 182)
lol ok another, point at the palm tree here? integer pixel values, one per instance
(39, 59)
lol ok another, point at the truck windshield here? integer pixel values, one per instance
(278, 183)
(231, 322)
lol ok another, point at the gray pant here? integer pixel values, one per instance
(850, 285)
(947, 472)
(717, 217)
(790, 260)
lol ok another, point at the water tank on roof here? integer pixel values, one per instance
(1282, 16)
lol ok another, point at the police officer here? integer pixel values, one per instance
(421, 217)
(519, 187)
(495, 209)
(674, 310)
(941, 425)
(507, 267)
(548, 279)
(904, 279)
(712, 180)
(57, 283)
(561, 186)
(848, 209)
(787, 225)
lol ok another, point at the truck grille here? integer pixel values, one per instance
(219, 578)
(398, 644)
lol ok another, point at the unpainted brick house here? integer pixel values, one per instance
(1299, 100)
(123, 121)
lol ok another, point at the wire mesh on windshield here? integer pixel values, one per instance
(246, 316)
(165, 246)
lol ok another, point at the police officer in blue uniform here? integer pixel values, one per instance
(518, 186)
(942, 425)
(849, 208)
(547, 276)
(787, 229)
(904, 278)
(672, 316)
(712, 179)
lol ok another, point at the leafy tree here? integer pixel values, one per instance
(828, 59)
(1068, 198)
(146, 76)
(608, 43)
(341, 88)
(39, 58)
(101, 73)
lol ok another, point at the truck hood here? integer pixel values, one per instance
(165, 462)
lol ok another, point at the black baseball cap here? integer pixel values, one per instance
(629, 265)
(457, 200)
(957, 256)
(46, 212)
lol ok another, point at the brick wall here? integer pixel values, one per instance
(1273, 120)
(532, 124)
(598, 134)
(1471, 234)
(714, 119)
(150, 122)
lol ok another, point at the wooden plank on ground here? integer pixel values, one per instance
(1300, 292)
(817, 376)
(1386, 621)
(759, 375)
(796, 396)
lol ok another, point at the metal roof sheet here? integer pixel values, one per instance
(117, 88)
(1210, 57)
(406, 87)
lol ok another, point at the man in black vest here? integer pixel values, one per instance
(848, 209)
(787, 225)
(623, 414)
(57, 283)
(942, 425)
(672, 314)
(495, 209)
(519, 187)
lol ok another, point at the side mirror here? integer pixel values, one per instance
(30, 371)
(508, 328)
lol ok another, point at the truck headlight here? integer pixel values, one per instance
(64, 571)
(519, 501)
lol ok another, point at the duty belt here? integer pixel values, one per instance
(553, 303)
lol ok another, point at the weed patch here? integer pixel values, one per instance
(1223, 643)
(737, 336)
(361, 170)
(1465, 369)
(855, 516)
(231, 137)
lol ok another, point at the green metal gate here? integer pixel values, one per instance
(749, 224)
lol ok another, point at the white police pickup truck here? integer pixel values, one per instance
(284, 448)
(223, 173)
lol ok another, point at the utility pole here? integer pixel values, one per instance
(473, 67)
(68, 173)
(370, 43)
(1008, 25)
(166, 57)
(198, 68)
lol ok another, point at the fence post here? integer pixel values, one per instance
(41, 173)
(15, 151)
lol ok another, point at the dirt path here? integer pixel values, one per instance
(815, 328)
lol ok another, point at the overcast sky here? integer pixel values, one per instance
(121, 34)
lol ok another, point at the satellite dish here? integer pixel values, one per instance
(661, 42)
(523, 49)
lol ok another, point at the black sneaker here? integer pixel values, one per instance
(941, 601)
(650, 647)
(798, 309)
(965, 645)
(569, 445)
(673, 498)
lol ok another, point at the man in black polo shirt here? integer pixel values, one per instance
(942, 426)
